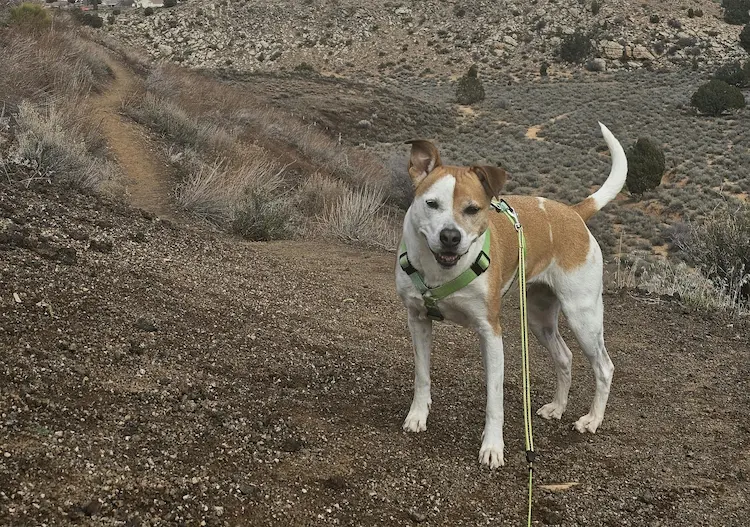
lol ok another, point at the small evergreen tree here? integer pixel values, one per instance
(469, 89)
(715, 97)
(745, 38)
(735, 74)
(646, 166)
(736, 11)
(575, 47)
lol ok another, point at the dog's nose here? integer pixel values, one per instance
(450, 238)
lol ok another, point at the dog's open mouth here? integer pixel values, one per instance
(447, 259)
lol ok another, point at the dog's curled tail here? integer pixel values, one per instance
(614, 183)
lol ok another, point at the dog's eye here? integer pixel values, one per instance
(471, 210)
(433, 204)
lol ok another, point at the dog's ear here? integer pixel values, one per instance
(492, 179)
(424, 159)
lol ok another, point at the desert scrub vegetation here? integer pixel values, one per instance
(29, 17)
(469, 89)
(52, 144)
(646, 165)
(47, 74)
(575, 47)
(256, 170)
(720, 247)
(734, 73)
(679, 281)
(745, 38)
(736, 11)
(716, 97)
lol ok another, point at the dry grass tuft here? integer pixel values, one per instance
(360, 216)
(175, 124)
(51, 144)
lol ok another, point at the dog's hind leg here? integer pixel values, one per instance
(585, 315)
(421, 337)
(544, 314)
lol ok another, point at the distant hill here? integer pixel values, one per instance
(349, 37)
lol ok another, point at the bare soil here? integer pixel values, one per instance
(161, 374)
(147, 175)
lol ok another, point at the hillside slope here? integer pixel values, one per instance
(352, 38)
(154, 373)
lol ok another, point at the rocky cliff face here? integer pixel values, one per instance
(348, 37)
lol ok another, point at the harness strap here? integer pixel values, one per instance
(431, 295)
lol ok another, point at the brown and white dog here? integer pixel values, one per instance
(444, 231)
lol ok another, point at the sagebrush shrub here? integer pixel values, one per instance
(265, 217)
(575, 47)
(715, 97)
(469, 89)
(170, 3)
(646, 166)
(30, 17)
(736, 11)
(719, 248)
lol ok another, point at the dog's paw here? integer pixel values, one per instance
(416, 421)
(551, 411)
(492, 455)
(588, 423)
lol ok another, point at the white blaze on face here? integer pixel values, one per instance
(431, 221)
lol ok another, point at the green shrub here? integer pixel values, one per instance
(735, 74)
(170, 3)
(719, 248)
(148, 11)
(543, 69)
(30, 17)
(654, 19)
(265, 217)
(469, 89)
(87, 19)
(736, 11)
(646, 166)
(575, 47)
(745, 38)
(715, 97)
(595, 7)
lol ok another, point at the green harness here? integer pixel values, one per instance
(431, 296)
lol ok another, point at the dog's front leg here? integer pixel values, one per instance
(491, 453)
(421, 337)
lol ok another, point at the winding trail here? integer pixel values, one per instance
(147, 175)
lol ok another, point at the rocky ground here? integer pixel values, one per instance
(156, 373)
(358, 39)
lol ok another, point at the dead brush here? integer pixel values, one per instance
(51, 64)
(53, 142)
(175, 124)
(360, 216)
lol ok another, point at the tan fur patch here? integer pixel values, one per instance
(586, 208)
(469, 191)
(568, 247)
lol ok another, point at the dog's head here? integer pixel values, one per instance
(451, 204)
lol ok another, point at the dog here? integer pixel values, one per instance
(443, 235)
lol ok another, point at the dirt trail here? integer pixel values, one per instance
(147, 176)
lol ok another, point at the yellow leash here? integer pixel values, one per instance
(506, 209)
